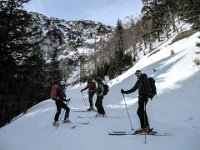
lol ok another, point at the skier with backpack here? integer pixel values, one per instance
(91, 86)
(101, 91)
(59, 96)
(143, 87)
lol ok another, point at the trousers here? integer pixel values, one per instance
(141, 112)
(60, 105)
(99, 105)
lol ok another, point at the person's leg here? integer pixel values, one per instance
(142, 112)
(67, 110)
(146, 121)
(97, 105)
(58, 105)
(102, 111)
(91, 94)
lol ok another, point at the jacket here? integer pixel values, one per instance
(91, 86)
(100, 89)
(143, 86)
(61, 93)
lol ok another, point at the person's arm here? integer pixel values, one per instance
(133, 89)
(85, 88)
(100, 90)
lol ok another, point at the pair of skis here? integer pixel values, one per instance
(151, 132)
(95, 116)
(73, 125)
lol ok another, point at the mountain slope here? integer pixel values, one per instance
(175, 110)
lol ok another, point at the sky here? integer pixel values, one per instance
(175, 110)
(105, 11)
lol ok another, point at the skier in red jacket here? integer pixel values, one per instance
(59, 96)
(91, 86)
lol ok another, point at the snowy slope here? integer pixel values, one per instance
(175, 110)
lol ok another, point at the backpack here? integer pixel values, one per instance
(54, 92)
(153, 87)
(106, 89)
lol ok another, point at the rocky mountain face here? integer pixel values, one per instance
(68, 37)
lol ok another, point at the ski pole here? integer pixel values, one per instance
(128, 113)
(145, 134)
(84, 100)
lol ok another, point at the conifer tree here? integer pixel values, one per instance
(190, 12)
(17, 59)
(120, 59)
(54, 73)
(119, 49)
(162, 15)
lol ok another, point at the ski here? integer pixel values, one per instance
(77, 122)
(83, 110)
(130, 132)
(73, 125)
(98, 117)
(153, 133)
(84, 123)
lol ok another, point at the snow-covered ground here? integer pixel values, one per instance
(175, 110)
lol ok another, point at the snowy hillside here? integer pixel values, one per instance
(174, 111)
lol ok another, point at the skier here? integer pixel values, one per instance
(99, 101)
(59, 101)
(143, 86)
(91, 86)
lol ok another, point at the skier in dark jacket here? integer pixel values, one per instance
(99, 101)
(143, 87)
(60, 103)
(91, 86)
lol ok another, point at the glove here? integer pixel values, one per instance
(122, 91)
(101, 95)
(67, 100)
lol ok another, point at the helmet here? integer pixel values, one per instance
(62, 83)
